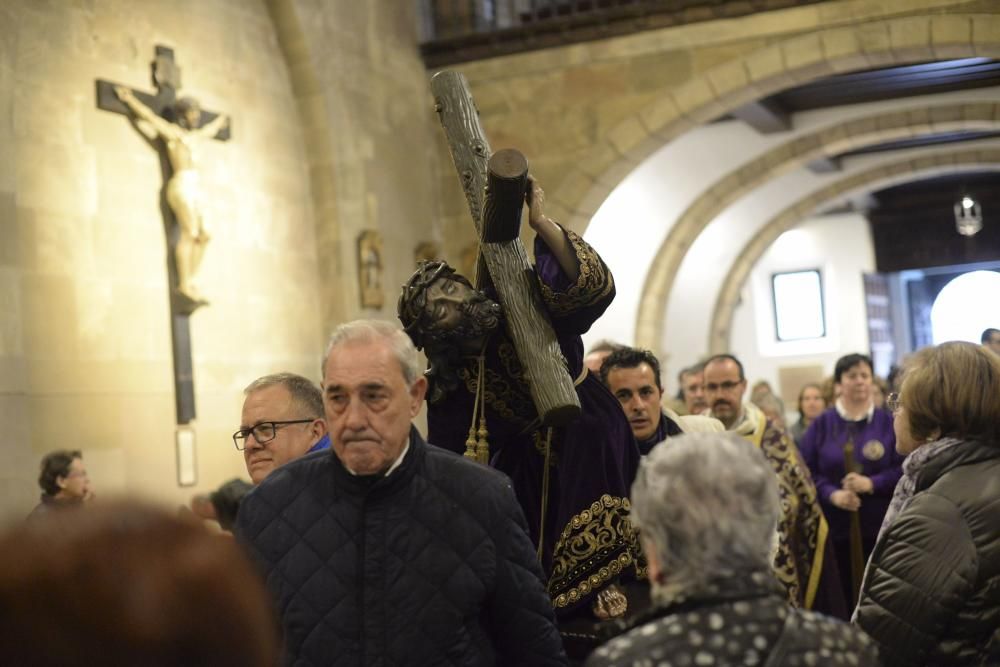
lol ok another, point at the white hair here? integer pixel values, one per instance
(369, 331)
(708, 504)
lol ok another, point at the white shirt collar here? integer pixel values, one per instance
(842, 411)
(395, 464)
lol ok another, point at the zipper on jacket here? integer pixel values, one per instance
(361, 583)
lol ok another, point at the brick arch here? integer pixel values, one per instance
(828, 141)
(872, 179)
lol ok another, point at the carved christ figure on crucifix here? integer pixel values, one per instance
(183, 190)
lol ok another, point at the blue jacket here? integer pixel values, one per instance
(431, 565)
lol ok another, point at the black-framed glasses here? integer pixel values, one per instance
(892, 402)
(726, 386)
(264, 431)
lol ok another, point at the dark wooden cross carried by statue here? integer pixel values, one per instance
(494, 186)
(173, 127)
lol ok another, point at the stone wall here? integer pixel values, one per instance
(85, 348)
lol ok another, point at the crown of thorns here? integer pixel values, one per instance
(413, 299)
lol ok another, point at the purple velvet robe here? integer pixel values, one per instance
(588, 541)
(822, 449)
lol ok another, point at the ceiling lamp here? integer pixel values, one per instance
(968, 216)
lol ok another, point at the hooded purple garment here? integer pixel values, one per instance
(593, 460)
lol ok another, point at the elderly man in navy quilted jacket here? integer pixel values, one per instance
(390, 551)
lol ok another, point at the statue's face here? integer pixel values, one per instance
(456, 311)
(191, 116)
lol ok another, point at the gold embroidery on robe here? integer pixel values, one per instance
(590, 538)
(802, 528)
(595, 281)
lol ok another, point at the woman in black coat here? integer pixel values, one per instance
(931, 594)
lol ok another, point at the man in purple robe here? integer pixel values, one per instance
(585, 541)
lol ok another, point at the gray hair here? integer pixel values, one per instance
(304, 391)
(369, 331)
(708, 503)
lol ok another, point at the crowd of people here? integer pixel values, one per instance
(687, 529)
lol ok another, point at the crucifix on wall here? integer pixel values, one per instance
(175, 127)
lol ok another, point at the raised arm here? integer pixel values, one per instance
(211, 128)
(550, 232)
(142, 111)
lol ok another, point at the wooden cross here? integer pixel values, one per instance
(166, 77)
(494, 186)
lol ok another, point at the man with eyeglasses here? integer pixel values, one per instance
(389, 550)
(282, 420)
(802, 529)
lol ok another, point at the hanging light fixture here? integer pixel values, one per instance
(968, 216)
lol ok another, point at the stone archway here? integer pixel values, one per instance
(875, 178)
(791, 62)
(827, 141)
(797, 60)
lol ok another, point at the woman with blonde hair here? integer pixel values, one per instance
(811, 405)
(931, 594)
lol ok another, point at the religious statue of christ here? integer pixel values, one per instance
(183, 190)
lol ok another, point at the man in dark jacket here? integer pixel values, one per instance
(391, 551)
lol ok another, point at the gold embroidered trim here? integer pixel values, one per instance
(801, 526)
(593, 285)
(506, 393)
(597, 545)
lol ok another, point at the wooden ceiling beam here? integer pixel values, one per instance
(765, 116)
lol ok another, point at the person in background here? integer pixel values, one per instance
(991, 340)
(692, 390)
(633, 376)
(772, 407)
(707, 507)
(760, 388)
(282, 420)
(931, 594)
(125, 584)
(597, 354)
(880, 392)
(800, 553)
(811, 405)
(850, 450)
(222, 505)
(64, 482)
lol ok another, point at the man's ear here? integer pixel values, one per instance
(417, 392)
(317, 429)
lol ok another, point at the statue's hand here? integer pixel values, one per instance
(123, 93)
(535, 198)
(610, 603)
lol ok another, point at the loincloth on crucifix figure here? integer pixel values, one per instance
(585, 540)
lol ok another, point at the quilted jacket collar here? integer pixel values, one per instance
(967, 453)
(380, 486)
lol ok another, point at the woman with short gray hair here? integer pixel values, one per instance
(706, 506)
